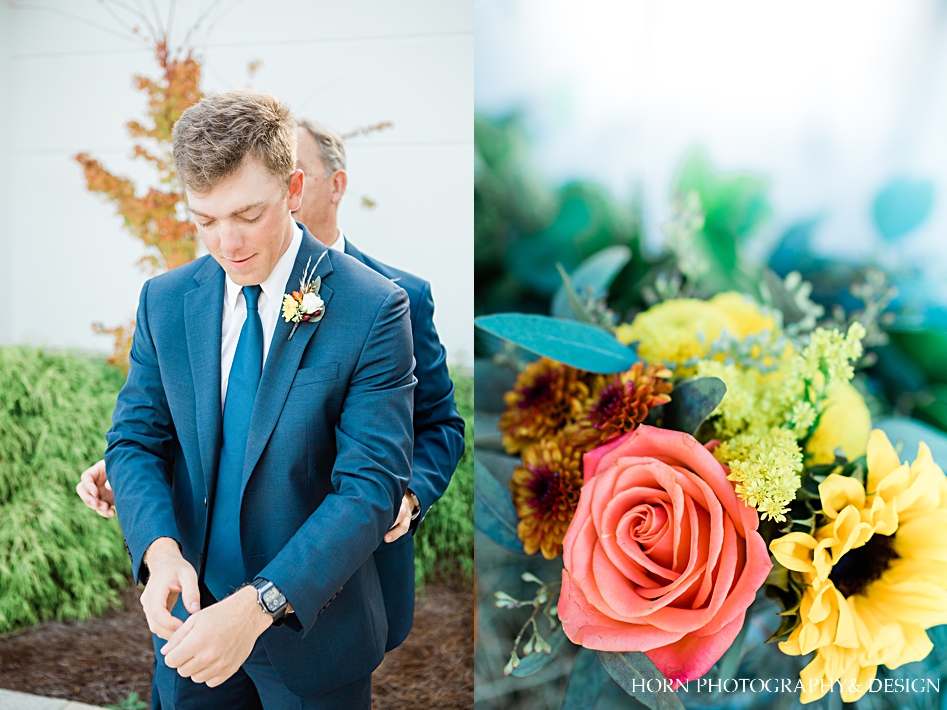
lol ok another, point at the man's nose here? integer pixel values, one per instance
(230, 239)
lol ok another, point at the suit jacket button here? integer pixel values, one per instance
(205, 501)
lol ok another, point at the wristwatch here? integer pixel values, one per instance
(271, 599)
(415, 511)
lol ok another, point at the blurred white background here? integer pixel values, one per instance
(829, 100)
(66, 71)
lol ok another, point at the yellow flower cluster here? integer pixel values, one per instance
(763, 417)
(765, 465)
(876, 572)
(678, 330)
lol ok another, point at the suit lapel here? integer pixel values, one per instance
(283, 358)
(202, 324)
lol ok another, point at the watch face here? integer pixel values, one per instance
(273, 599)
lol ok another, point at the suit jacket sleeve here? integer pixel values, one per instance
(438, 428)
(140, 450)
(370, 474)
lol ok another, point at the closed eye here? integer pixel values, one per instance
(251, 221)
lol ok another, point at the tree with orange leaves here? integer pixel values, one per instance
(158, 217)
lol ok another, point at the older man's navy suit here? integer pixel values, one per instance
(328, 456)
(438, 443)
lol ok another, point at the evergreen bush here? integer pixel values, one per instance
(443, 543)
(58, 559)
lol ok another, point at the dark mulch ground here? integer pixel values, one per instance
(100, 661)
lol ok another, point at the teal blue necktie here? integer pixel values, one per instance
(224, 570)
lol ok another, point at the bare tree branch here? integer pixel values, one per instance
(79, 18)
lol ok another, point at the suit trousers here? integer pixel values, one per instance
(255, 686)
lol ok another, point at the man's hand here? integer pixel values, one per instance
(403, 523)
(212, 644)
(95, 490)
(169, 575)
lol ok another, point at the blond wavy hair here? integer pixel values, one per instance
(212, 139)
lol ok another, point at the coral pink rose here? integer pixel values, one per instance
(661, 556)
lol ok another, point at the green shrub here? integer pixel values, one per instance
(444, 541)
(58, 559)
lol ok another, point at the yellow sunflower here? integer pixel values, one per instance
(876, 572)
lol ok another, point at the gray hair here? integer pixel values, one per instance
(212, 138)
(331, 145)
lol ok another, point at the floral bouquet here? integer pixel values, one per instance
(706, 473)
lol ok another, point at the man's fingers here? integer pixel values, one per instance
(190, 593)
(177, 637)
(400, 528)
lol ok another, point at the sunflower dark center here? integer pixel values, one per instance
(860, 567)
(536, 393)
(547, 490)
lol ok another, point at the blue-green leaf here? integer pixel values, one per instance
(596, 274)
(494, 514)
(578, 345)
(901, 206)
(912, 432)
(586, 682)
(538, 660)
(641, 679)
(692, 401)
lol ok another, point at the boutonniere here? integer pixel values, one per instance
(305, 305)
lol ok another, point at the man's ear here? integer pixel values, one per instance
(339, 182)
(296, 185)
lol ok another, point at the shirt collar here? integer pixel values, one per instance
(276, 281)
(339, 244)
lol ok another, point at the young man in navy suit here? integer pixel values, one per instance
(438, 428)
(257, 463)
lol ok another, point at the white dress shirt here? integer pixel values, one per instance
(270, 305)
(339, 244)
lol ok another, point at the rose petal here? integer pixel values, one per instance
(693, 656)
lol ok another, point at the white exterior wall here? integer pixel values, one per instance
(347, 64)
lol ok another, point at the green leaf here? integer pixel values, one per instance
(729, 663)
(734, 206)
(633, 671)
(901, 206)
(596, 274)
(538, 659)
(494, 514)
(912, 432)
(692, 401)
(586, 682)
(575, 344)
(491, 382)
(573, 308)
(927, 348)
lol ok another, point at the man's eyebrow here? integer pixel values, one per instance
(232, 214)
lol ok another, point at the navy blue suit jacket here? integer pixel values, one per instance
(438, 443)
(438, 428)
(328, 457)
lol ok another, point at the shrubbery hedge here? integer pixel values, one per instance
(57, 558)
(60, 560)
(444, 541)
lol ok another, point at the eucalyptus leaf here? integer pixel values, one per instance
(494, 514)
(901, 206)
(486, 434)
(538, 659)
(595, 274)
(633, 671)
(692, 401)
(573, 306)
(586, 682)
(578, 345)
(491, 382)
(729, 663)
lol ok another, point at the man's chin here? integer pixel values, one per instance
(243, 273)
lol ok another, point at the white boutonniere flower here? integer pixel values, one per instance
(305, 305)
